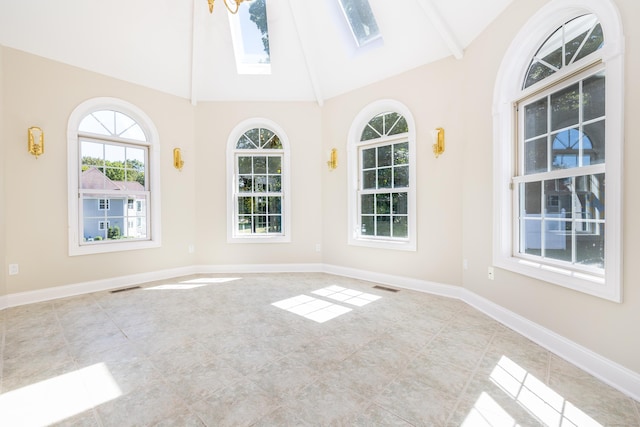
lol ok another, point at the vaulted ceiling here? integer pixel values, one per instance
(178, 47)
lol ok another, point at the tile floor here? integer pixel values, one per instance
(284, 349)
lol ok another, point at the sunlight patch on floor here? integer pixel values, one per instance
(312, 308)
(320, 310)
(58, 398)
(207, 280)
(486, 412)
(191, 284)
(537, 398)
(345, 295)
(173, 287)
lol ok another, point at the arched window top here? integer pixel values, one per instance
(113, 124)
(571, 42)
(259, 139)
(384, 124)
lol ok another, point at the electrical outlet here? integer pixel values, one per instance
(490, 273)
(465, 264)
(318, 247)
(13, 269)
(191, 249)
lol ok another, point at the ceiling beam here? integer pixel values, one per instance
(195, 37)
(442, 28)
(303, 38)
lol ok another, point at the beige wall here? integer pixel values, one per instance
(44, 93)
(3, 156)
(39, 92)
(433, 95)
(301, 123)
(604, 327)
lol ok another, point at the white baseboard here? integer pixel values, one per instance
(398, 281)
(57, 292)
(611, 373)
(31, 297)
(260, 268)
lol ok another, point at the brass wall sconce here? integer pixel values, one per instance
(333, 159)
(438, 139)
(178, 163)
(36, 141)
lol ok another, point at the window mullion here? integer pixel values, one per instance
(574, 223)
(580, 122)
(564, 45)
(543, 219)
(549, 140)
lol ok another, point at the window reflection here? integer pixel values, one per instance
(563, 219)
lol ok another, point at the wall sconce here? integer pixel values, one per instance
(178, 163)
(438, 139)
(333, 159)
(36, 141)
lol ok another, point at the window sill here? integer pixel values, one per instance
(582, 281)
(383, 244)
(102, 248)
(259, 239)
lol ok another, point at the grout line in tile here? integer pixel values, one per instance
(2, 341)
(372, 400)
(471, 377)
(636, 406)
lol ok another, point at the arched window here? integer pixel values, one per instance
(571, 42)
(551, 179)
(382, 168)
(258, 161)
(113, 185)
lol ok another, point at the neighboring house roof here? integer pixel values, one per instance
(94, 179)
(129, 185)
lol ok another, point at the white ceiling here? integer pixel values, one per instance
(177, 47)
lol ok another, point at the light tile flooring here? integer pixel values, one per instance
(284, 349)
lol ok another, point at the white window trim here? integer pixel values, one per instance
(354, 143)
(106, 103)
(508, 90)
(236, 133)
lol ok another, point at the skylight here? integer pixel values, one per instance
(362, 22)
(250, 35)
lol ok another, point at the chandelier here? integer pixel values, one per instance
(226, 3)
